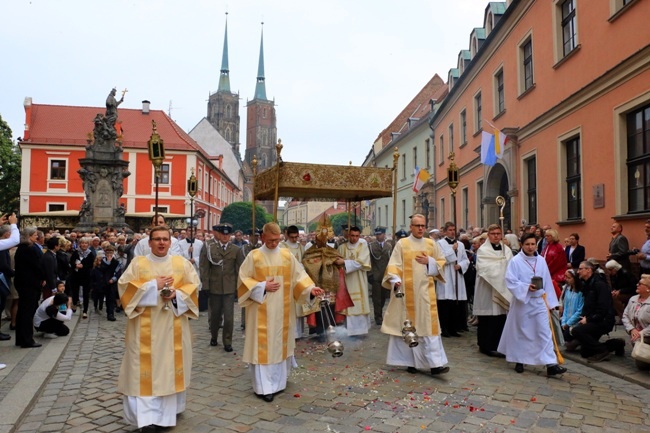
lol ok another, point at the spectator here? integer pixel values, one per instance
(636, 317)
(619, 247)
(82, 262)
(597, 316)
(623, 286)
(9, 238)
(575, 253)
(555, 258)
(28, 280)
(51, 314)
(49, 267)
(572, 301)
(63, 259)
(644, 254)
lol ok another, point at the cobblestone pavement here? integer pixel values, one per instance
(357, 392)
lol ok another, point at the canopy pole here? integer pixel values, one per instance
(395, 159)
(278, 149)
(254, 164)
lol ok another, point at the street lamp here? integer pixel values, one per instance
(157, 156)
(452, 180)
(192, 188)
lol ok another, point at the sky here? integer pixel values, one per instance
(339, 70)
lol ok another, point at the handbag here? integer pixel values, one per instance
(4, 286)
(641, 351)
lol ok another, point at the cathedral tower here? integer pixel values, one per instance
(261, 130)
(223, 105)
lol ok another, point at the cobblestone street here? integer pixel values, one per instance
(354, 393)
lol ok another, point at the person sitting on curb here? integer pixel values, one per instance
(51, 314)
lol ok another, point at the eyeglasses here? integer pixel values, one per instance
(582, 269)
(160, 239)
(419, 226)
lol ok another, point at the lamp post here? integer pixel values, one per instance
(452, 180)
(157, 156)
(192, 188)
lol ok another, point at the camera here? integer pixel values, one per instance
(632, 252)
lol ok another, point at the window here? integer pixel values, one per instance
(403, 166)
(386, 213)
(527, 56)
(638, 159)
(569, 36)
(573, 179)
(451, 137)
(442, 150)
(441, 214)
(403, 212)
(478, 112)
(379, 217)
(531, 191)
(463, 128)
(415, 157)
(161, 209)
(57, 169)
(55, 207)
(499, 101)
(427, 150)
(164, 174)
(199, 180)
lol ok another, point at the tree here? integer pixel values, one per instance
(10, 162)
(239, 215)
(342, 219)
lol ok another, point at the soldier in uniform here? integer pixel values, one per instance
(254, 237)
(380, 251)
(219, 264)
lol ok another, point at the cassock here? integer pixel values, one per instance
(452, 295)
(527, 337)
(142, 247)
(271, 317)
(357, 265)
(417, 305)
(184, 246)
(297, 249)
(157, 364)
(491, 296)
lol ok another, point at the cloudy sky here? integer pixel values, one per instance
(339, 70)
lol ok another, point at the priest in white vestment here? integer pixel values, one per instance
(491, 296)
(452, 294)
(142, 247)
(414, 264)
(527, 337)
(356, 257)
(157, 363)
(271, 281)
(297, 249)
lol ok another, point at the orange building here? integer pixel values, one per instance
(55, 138)
(568, 81)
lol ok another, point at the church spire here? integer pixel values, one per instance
(260, 87)
(224, 77)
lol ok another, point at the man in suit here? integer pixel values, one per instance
(380, 251)
(575, 253)
(219, 262)
(619, 247)
(49, 267)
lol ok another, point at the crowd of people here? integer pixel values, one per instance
(530, 295)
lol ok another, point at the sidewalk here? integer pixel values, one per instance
(621, 367)
(27, 372)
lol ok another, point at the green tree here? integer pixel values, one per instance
(340, 219)
(240, 216)
(10, 161)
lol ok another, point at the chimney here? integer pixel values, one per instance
(145, 106)
(27, 104)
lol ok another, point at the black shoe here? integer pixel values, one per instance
(12, 327)
(616, 345)
(28, 346)
(379, 322)
(454, 334)
(555, 370)
(439, 370)
(267, 397)
(412, 370)
(111, 318)
(492, 353)
(445, 334)
(4, 337)
(227, 348)
(519, 368)
(213, 342)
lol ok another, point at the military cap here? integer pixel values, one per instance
(224, 228)
(401, 234)
(344, 227)
(380, 230)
